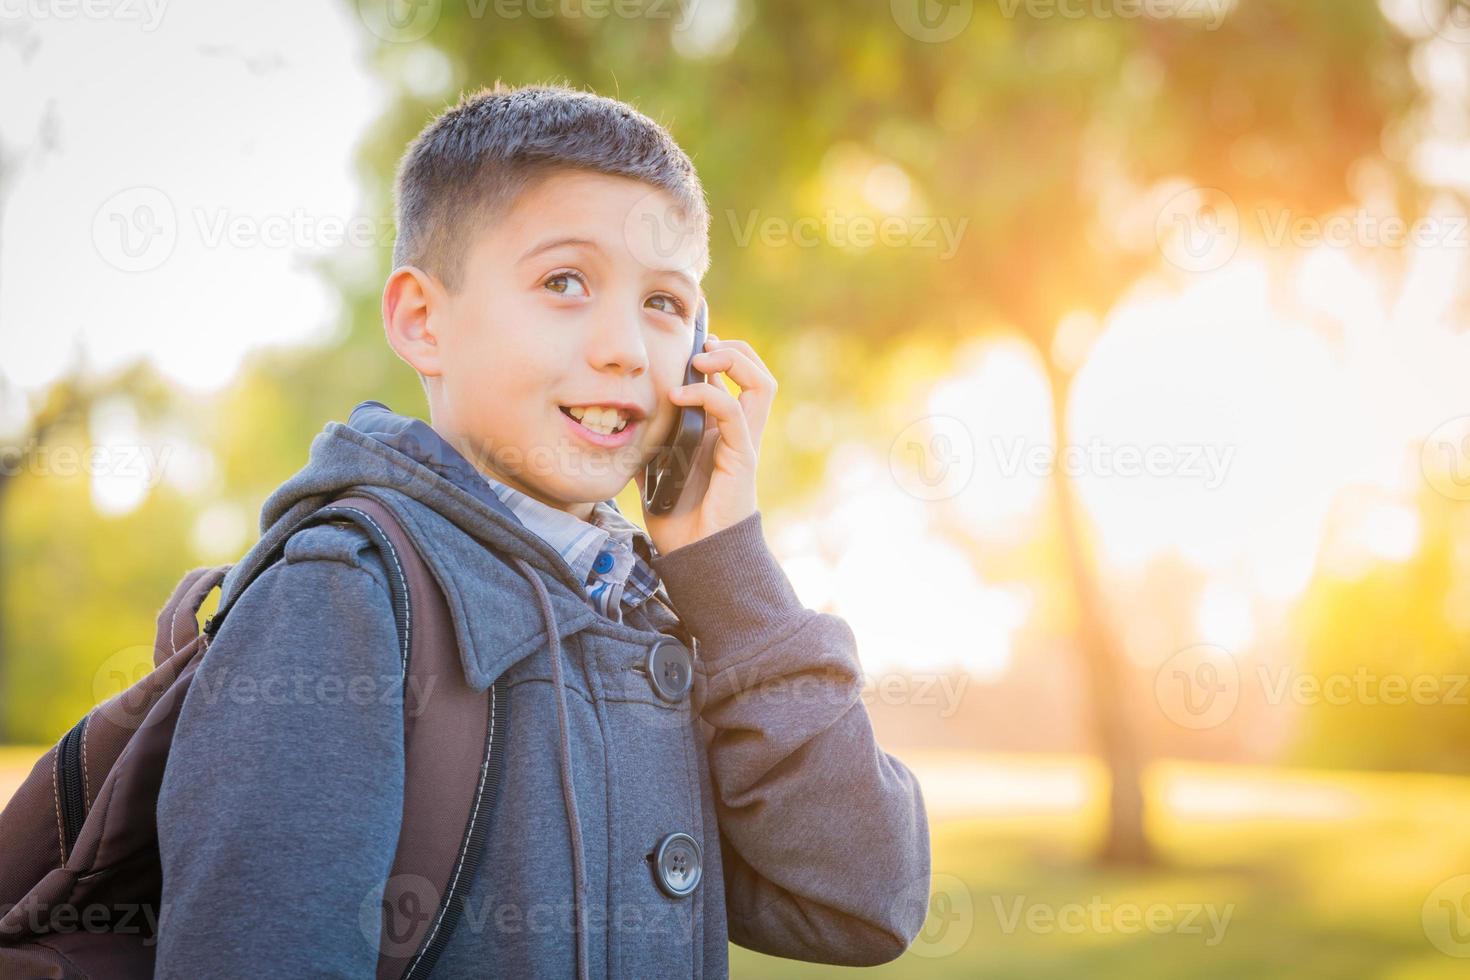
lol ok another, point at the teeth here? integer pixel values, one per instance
(604, 421)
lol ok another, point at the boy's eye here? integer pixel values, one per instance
(674, 306)
(567, 283)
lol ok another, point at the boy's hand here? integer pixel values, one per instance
(720, 491)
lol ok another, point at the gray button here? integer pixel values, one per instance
(676, 865)
(670, 669)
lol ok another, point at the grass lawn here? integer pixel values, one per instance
(1320, 875)
(1263, 873)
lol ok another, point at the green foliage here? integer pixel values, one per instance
(85, 591)
(1387, 639)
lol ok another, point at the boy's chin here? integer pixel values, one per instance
(588, 491)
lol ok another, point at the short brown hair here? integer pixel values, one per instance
(473, 161)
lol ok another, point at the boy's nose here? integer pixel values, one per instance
(617, 341)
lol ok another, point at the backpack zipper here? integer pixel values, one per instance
(69, 787)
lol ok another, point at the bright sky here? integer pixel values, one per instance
(202, 154)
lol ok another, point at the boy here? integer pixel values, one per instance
(551, 326)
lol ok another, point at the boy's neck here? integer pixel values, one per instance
(581, 511)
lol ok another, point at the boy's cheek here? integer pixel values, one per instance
(661, 426)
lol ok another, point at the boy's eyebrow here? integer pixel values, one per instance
(686, 277)
(558, 243)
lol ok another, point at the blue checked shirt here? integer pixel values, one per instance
(604, 553)
(610, 554)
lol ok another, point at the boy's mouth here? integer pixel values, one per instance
(602, 420)
(607, 426)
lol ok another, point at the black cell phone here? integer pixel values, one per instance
(668, 472)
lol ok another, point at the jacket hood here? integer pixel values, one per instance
(470, 542)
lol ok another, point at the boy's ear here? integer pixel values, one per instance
(411, 298)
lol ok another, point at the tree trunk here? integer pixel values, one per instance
(1104, 670)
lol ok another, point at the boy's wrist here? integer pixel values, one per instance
(728, 588)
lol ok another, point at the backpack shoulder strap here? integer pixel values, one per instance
(453, 752)
(178, 623)
(454, 746)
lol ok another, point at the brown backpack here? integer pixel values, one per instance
(80, 878)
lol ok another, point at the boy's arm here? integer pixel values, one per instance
(824, 839)
(282, 798)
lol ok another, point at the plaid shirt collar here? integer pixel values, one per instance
(623, 579)
(610, 554)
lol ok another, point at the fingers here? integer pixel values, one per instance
(757, 385)
(724, 409)
(713, 342)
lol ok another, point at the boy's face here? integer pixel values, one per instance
(570, 300)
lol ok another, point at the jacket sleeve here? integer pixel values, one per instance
(282, 797)
(824, 838)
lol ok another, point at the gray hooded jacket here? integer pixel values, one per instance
(282, 801)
